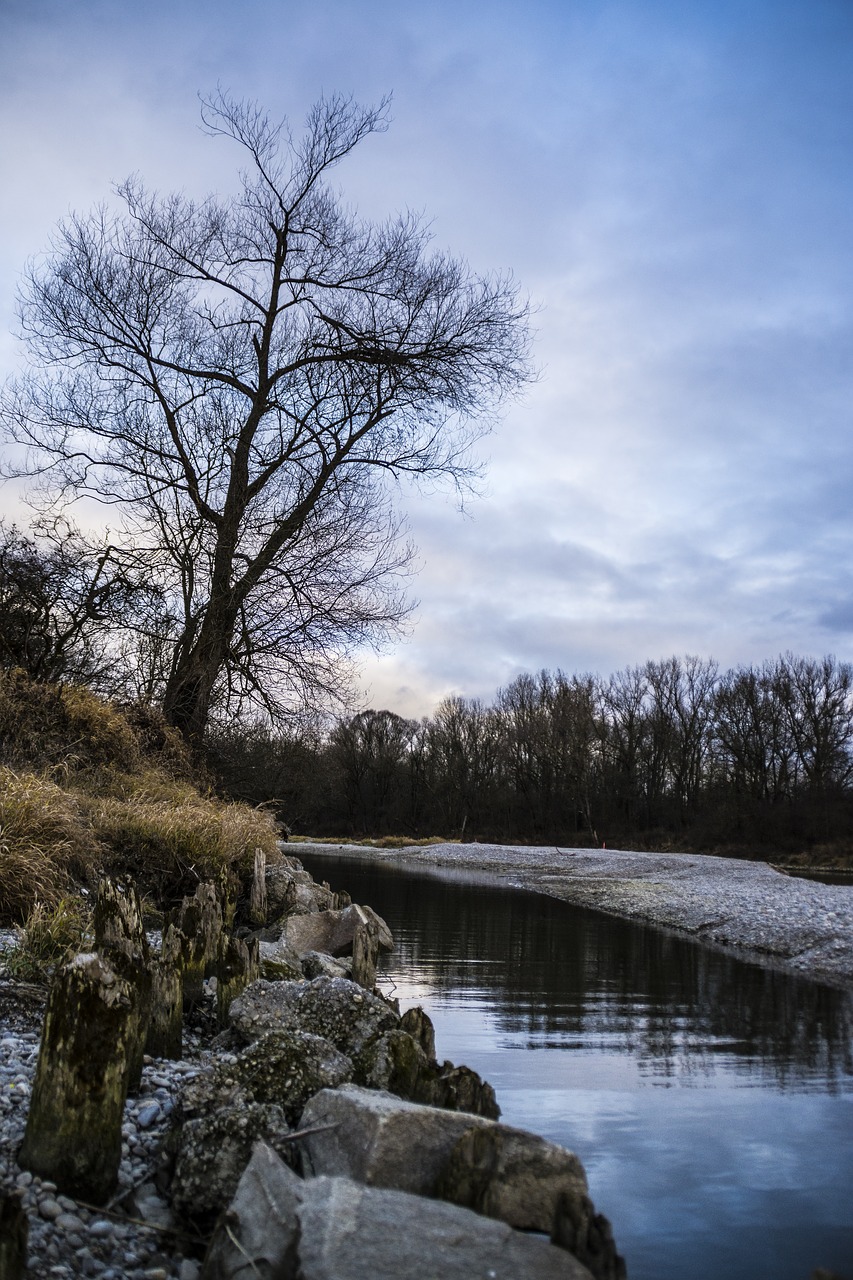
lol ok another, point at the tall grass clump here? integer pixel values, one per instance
(50, 936)
(46, 844)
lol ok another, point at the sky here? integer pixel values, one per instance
(670, 184)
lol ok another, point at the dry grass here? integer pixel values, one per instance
(168, 846)
(46, 843)
(50, 936)
(89, 788)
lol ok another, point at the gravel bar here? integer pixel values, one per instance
(742, 907)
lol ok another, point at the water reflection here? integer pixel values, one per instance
(699, 1091)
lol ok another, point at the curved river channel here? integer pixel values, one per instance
(710, 1100)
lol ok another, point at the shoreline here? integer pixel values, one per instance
(746, 909)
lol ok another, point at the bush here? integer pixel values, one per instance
(43, 725)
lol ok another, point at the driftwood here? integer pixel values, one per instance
(89, 1041)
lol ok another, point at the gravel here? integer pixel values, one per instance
(742, 907)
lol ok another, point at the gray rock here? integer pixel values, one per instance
(381, 1140)
(336, 1229)
(317, 964)
(214, 1150)
(278, 962)
(285, 1068)
(333, 931)
(334, 1008)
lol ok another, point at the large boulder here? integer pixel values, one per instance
(291, 890)
(278, 1228)
(212, 1153)
(334, 1008)
(333, 931)
(494, 1169)
(284, 1067)
(278, 962)
(376, 1138)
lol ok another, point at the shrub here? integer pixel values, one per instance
(48, 724)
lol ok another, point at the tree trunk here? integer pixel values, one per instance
(14, 1228)
(258, 898)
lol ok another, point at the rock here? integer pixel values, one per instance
(334, 1008)
(279, 962)
(316, 964)
(419, 1026)
(285, 1068)
(336, 1229)
(509, 1174)
(334, 931)
(214, 1150)
(379, 1139)
(587, 1235)
(461, 1089)
(396, 1063)
(496, 1170)
(292, 891)
(260, 1230)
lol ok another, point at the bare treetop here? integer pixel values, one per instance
(242, 374)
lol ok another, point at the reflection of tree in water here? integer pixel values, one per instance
(562, 975)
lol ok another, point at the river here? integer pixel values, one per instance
(710, 1100)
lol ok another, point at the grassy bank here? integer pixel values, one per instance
(89, 788)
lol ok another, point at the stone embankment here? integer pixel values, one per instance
(746, 908)
(306, 1130)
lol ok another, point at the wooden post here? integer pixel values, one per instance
(165, 1029)
(73, 1133)
(258, 898)
(120, 938)
(365, 950)
(238, 966)
(199, 923)
(14, 1228)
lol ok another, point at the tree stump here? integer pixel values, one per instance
(420, 1028)
(365, 951)
(238, 966)
(165, 1028)
(342, 899)
(199, 924)
(118, 919)
(91, 1028)
(14, 1228)
(258, 897)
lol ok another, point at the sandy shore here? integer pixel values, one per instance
(742, 907)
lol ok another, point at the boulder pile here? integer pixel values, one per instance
(322, 1138)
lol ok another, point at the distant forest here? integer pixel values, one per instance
(671, 754)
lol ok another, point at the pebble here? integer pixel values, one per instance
(66, 1239)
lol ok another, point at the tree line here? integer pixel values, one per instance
(675, 751)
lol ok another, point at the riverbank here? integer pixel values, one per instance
(745, 908)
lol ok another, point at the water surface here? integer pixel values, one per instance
(710, 1100)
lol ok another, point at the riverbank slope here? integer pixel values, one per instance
(743, 907)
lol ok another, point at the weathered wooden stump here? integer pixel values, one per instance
(587, 1235)
(342, 900)
(89, 1040)
(118, 919)
(165, 1028)
(120, 938)
(365, 952)
(258, 896)
(238, 966)
(199, 924)
(14, 1229)
(419, 1026)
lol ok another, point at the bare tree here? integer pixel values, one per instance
(65, 603)
(243, 376)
